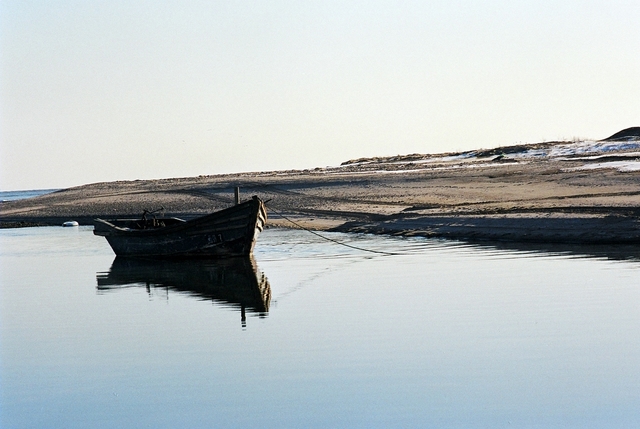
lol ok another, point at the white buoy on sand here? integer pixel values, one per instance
(70, 223)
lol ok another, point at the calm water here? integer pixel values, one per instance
(440, 335)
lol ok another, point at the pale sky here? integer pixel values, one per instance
(120, 90)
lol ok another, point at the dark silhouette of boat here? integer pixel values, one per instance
(229, 232)
(235, 282)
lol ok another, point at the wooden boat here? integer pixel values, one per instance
(229, 232)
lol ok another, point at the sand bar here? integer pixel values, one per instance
(561, 192)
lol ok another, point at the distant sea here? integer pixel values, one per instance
(21, 195)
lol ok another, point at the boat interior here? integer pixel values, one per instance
(146, 223)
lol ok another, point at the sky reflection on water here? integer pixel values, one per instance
(443, 335)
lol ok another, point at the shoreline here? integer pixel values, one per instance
(583, 198)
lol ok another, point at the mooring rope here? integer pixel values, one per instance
(330, 239)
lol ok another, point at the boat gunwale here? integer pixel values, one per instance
(186, 225)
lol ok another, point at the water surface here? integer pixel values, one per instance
(312, 334)
(21, 195)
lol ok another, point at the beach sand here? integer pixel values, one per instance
(581, 198)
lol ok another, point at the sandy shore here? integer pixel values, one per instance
(491, 195)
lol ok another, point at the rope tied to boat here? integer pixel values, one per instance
(279, 213)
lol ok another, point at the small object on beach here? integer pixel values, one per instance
(70, 223)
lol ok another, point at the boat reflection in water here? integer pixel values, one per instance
(232, 281)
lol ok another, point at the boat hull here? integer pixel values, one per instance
(227, 233)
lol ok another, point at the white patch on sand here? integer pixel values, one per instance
(624, 166)
(576, 149)
(562, 151)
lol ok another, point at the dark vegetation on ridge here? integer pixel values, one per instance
(626, 134)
